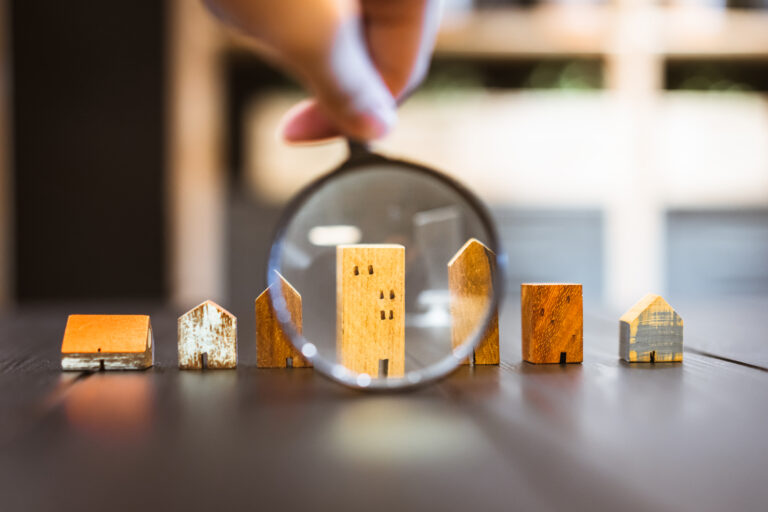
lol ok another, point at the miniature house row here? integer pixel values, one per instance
(370, 303)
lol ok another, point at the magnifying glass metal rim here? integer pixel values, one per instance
(360, 157)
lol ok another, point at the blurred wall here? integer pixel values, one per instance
(112, 157)
(196, 192)
(88, 127)
(6, 197)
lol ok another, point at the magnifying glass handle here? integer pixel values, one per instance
(358, 150)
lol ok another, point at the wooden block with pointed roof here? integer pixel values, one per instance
(470, 280)
(651, 331)
(553, 322)
(107, 342)
(207, 338)
(273, 347)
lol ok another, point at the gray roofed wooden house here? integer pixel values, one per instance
(651, 331)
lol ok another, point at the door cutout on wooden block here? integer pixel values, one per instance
(207, 338)
(470, 280)
(107, 342)
(383, 367)
(370, 329)
(273, 346)
(651, 331)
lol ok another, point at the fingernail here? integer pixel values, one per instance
(378, 122)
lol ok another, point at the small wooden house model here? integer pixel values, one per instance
(370, 308)
(470, 280)
(273, 347)
(553, 322)
(207, 338)
(107, 342)
(651, 331)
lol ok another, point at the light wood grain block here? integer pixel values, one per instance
(370, 308)
(651, 331)
(273, 347)
(207, 338)
(470, 280)
(552, 320)
(107, 342)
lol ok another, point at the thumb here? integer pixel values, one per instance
(351, 97)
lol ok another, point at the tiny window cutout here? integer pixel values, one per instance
(383, 315)
(381, 294)
(653, 356)
(391, 315)
(391, 294)
(357, 271)
(370, 269)
(562, 357)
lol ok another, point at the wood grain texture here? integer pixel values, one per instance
(568, 422)
(108, 342)
(370, 308)
(207, 338)
(552, 321)
(470, 280)
(273, 347)
(651, 331)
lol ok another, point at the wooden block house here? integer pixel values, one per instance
(470, 280)
(370, 309)
(207, 338)
(651, 331)
(107, 342)
(273, 347)
(552, 321)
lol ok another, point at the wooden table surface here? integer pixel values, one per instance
(603, 435)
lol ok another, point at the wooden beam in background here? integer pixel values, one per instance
(196, 177)
(6, 183)
(635, 221)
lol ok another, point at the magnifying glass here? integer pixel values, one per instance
(397, 271)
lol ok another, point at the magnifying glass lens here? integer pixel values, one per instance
(386, 274)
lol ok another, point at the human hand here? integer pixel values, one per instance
(358, 57)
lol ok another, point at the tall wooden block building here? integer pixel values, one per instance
(370, 308)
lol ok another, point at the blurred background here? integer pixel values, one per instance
(620, 144)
